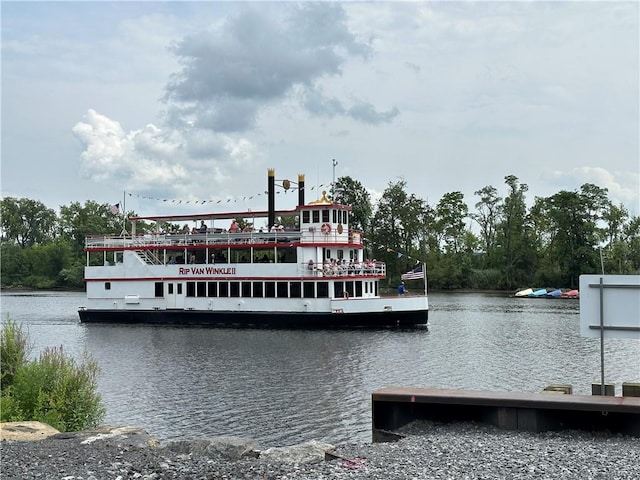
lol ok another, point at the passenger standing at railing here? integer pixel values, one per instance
(234, 226)
(203, 227)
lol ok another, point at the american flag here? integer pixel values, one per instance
(115, 209)
(415, 274)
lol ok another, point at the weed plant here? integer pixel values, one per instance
(53, 389)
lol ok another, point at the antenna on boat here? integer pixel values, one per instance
(333, 183)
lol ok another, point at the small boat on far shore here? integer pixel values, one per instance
(546, 293)
(523, 293)
(570, 294)
(538, 293)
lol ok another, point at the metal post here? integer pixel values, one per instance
(602, 389)
(333, 183)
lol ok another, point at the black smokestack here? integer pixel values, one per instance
(271, 194)
(300, 189)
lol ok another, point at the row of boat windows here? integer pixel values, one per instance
(260, 289)
(314, 216)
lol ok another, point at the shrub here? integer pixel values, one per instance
(54, 389)
(14, 351)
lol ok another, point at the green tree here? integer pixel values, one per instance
(398, 222)
(351, 192)
(631, 235)
(616, 248)
(14, 264)
(574, 234)
(516, 244)
(488, 212)
(453, 266)
(78, 221)
(26, 222)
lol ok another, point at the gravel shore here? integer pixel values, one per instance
(430, 451)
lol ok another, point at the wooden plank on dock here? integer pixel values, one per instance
(394, 407)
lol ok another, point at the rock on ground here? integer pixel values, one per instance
(429, 451)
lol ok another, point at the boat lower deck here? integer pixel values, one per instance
(238, 319)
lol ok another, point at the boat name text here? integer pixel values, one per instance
(207, 271)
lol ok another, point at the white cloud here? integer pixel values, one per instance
(623, 187)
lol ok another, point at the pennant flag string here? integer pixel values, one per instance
(217, 201)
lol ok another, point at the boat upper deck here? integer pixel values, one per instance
(220, 239)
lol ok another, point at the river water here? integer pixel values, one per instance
(285, 387)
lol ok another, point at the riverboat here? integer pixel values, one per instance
(312, 276)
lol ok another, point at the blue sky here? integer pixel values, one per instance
(194, 101)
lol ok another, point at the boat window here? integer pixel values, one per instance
(295, 289)
(316, 216)
(234, 289)
(263, 255)
(358, 289)
(107, 285)
(213, 289)
(305, 216)
(309, 290)
(349, 288)
(170, 289)
(223, 289)
(323, 289)
(325, 216)
(335, 216)
(283, 289)
(246, 289)
(270, 289)
(338, 289)
(201, 289)
(241, 255)
(179, 292)
(191, 289)
(159, 289)
(375, 288)
(287, 255)
(257, 290)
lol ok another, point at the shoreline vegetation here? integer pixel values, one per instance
(504, 243)
(53, 388)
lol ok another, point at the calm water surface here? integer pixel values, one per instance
(285, 387)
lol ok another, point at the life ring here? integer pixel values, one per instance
(346, 295)
(325, 228)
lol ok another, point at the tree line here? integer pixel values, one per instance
(502, 244)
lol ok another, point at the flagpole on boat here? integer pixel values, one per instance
(124, 214)
(424, 276)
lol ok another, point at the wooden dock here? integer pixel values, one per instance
(395, 407)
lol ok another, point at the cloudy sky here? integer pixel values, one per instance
(194, 101)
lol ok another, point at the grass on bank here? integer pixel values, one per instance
(53, 388)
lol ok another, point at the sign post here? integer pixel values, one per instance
(609, 307)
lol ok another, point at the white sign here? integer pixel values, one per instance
(611, 304)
